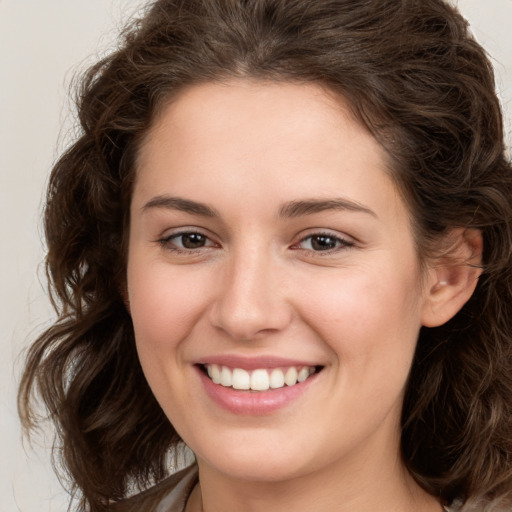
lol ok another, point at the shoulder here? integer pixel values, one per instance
(169, 495)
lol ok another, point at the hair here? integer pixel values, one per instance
(414, 76)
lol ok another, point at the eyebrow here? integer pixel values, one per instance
(180, 204)
(311, 206)
(288, 210)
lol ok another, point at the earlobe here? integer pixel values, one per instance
(453, 277)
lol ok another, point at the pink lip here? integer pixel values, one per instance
(253, 363)
(256, 403)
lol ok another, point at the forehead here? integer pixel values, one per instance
(262, 140)
(251, 112)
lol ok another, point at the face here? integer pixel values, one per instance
(273, 281)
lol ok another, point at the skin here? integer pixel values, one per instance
(260, 286)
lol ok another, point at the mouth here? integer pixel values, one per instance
(259, 379)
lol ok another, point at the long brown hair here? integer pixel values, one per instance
(417, 80)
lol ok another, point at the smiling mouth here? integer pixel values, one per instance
(261, 379)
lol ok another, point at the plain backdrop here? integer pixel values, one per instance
(43, 43)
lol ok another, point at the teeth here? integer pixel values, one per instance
(241, 379)
(303, 374)
(277, 378)
(290, 377)
(226, 379)
(260, 379)
(214, 373)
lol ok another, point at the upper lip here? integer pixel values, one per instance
(253, 363)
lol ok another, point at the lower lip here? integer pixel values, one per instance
(257, 403)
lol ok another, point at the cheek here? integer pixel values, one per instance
(165, 305)
(365, 313)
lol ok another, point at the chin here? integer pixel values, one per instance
(256, 468)
(257, 460)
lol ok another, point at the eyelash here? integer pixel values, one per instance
(167, 242)
(341, 243)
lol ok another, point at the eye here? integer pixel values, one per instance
(186, 241)
(323, 242)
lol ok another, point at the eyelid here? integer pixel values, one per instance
(166, 240)
(345, 241)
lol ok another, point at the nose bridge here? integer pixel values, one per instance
(250, 300)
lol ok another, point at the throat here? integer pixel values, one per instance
(311, 493)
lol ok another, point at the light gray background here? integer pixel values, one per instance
(42, 44)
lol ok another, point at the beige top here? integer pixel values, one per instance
(170, 495)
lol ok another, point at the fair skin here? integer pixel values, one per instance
(265, 234)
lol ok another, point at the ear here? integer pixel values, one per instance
(452, 278)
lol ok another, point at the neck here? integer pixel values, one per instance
(386, 488)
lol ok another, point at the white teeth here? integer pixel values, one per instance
(290, 377)
(215, 374)
(226, 379)
(260, 379)
(241, 379)
(276, 378)
(303, 374)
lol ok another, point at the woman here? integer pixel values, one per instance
(284, 239)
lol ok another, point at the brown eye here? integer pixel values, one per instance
(191, 240)
(323, 243)
(186, 241)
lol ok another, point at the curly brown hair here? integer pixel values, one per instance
(415, 77)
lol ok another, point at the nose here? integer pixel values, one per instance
(251, 300)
